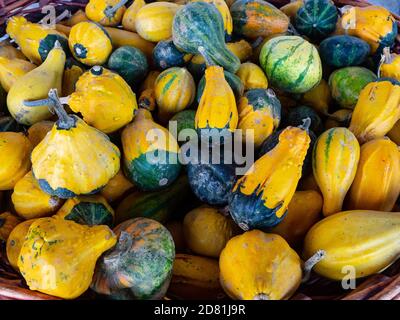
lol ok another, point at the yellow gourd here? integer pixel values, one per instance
(38, 131)
(241, 49)
(77, 17)
(11, 70)
(129, 18)
(319, 97)
(58, 256)
(335, 158)
(116, 187)
(379, 161)
(355, 243)
(106, 12)
(7, 50)
(147, 98)
(252, 76)
(390, 66)
(7, 223)
(35, 85)
(377, 111)
(259, 266)
(72, 72)
(394, 133)
(291, 8)
(15, 150)
(30, 201)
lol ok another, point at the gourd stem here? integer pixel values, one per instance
(111, 10)
(386, 58)
(310, 263)
(306, 124)
(65, 121)
(261, 296)
(44, 102)
(207, 59)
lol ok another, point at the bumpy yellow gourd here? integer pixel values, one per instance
(116, 187)
(35, 85)
(241, 49)
(319, 97)
(252, 76)
(105, 12)
(58, 256)
(259, 266)
(355, 243)
(379, 161)
(129, 18)
(30, 201)
(7, 223)
(96, 91)
(11, 70)
(390, 66)
(377, 111)
(335, 158)
(38, 131)
(15, 150)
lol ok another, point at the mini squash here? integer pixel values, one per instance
(38, 131)
(241, 49)
(30, 201)
(335, 159)
(73, 144)
(129, 17)
(252, 76)
(7, 223)
(390, 66)
(11, 70)
(90, 43)
(72, 71)
(296, 116)
(106, 12)
(319, 98)
(15, 150)
(167, 55)
(116, 187)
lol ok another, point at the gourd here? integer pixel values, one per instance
(15, 150)
(90, 43)
(316, 19)
(129, 17)
(376, 112)
(38, 131)
(88, 210)
(157, 205)
(259, 110)
(175, 227)
(11, 70)
(291, 64)
(252, 76)
(63, 29)
(106, 12)
(260, 276)
(30, 201)
(241, 49)
(35, 85)
(8, 123)
(195, 278)
(207, 231)
(291, 8)
(296, 116)
(379, 161)
(303, 212)
(184, 120)
(394, 133)
(347, 83)
(74, 144)
(335, 159)
(153, 21)
(75, 18)
(147, 99)
(97, 90)
(116, 187)
(35, 40)
(15, 241)
(7, 223)
(73, 70)
(174, 91)
(167, 55)
(260, 198)
(391, 65)
(150, 153)
(257, 18)
(130, 63)
(198, 28)
(365, 240)
(343, 51)
(319, 98)
(140, 265)
(340, 118)
(64, 253)
(7, 50)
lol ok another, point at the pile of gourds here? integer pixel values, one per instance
(85, 207)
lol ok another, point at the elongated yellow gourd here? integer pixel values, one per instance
(377, 111)
(35, 85)
(390, 67)
(379, 161)
(355, 243)
(106, 12)
(335, 158)
(129, 18)
(11, 70)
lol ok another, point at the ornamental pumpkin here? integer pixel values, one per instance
(11, 70)
(241, 49)
(30, 201)
(64, 253)
(34, 39)
(35, 85)
(7, 223)
(319, 98)
(71, 143)
(97, 90)
(377, 110)
(129, 17)
(260, 276)
(15, 150)
(260, 198)
(365, 240)
(106, 12)
(150, 153)
(252, 76)
(291, 63)
(167, 55)
(38, 131)
(140, 265)
(335, 159)
(379, 161)
(90, 43)
(72, 71)
(116, 187)
(390, 66)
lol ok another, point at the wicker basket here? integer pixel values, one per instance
(384, 286)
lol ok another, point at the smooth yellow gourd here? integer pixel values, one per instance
(58, 256)
(105, 12)
(390, 66)
(377, 111)
(38, 131)
(335, 159)
(11, 70)
(7, 223)
(116, 187)
(35, 85)
(379, 161)
(259, 266)
(129, 18)
(241, 49)
(252, 76)
(319, 98)
(15, 150)
(355, 243)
